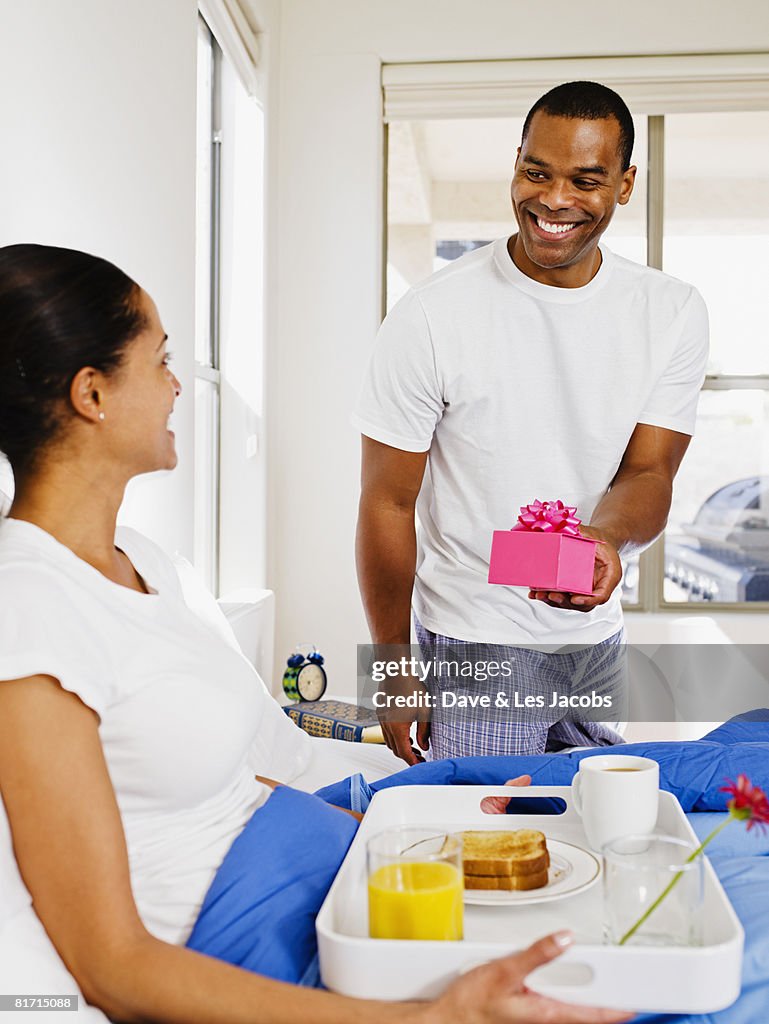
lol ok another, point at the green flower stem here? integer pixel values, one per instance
(673, 882)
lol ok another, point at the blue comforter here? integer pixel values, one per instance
(259, 912)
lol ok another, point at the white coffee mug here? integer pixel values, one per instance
(616, 795)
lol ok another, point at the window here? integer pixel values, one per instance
(715, 233)
(700, 211)
(230, 470)
(207, 348)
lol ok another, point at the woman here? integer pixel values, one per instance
(125, 725)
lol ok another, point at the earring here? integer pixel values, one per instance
(101, 415)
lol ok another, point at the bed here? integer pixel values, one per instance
(693, 771)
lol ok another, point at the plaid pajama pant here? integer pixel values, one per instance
(572, 671)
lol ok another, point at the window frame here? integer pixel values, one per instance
(651, 565)
(697, 83)
(231, 356)
(210, 370)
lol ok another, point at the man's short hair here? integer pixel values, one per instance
(591, 102)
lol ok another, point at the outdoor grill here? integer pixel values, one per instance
(724, 554)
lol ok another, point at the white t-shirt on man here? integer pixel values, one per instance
(521, 390)
(185, 721)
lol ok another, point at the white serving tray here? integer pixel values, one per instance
(700, 979)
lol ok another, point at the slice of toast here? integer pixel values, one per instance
(509, 853)
(507, 882)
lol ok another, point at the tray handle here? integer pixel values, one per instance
(466, 800)
(570, 978)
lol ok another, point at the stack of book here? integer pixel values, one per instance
(336, 720)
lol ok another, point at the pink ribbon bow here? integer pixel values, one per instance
(549, 517)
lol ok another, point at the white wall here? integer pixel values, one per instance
(327, 252)
(97, 104)
(97, 107)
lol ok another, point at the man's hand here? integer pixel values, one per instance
(631, 514)
(397, 736)
(396, 722)
(606, 575)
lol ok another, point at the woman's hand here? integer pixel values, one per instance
(496, 993)
(498, 804)
(269, 783)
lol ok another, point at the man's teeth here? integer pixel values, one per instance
(555, 229)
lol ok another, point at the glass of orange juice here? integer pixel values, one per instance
(415, 884)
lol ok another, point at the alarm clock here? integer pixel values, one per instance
(305, 677)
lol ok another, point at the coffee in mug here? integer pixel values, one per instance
(616, 795)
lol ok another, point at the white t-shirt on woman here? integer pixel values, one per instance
(185, 721)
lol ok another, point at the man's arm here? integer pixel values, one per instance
(632, 513)
(386, 554)
(635, 509)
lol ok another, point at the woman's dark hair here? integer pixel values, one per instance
(589, 101)
(60, 310)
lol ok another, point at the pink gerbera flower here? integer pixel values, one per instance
(748, 803)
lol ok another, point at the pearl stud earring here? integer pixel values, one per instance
(101, 415)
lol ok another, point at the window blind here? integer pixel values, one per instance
(507, 88)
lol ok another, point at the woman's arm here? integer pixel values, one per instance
(69, 843)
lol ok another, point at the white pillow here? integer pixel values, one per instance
(30, 965)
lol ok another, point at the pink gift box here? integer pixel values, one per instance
(542, 561)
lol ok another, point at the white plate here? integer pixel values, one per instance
(572, 870)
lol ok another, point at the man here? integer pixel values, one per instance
(540, 366)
